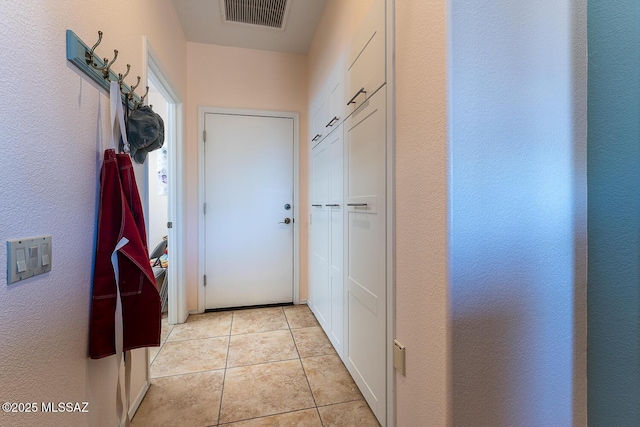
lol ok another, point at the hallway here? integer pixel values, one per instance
(254, 367)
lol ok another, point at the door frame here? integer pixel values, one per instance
(202, 110)
(177, 291)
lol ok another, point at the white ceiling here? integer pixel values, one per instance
(202, 23)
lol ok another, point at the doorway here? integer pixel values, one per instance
(248, 189)
(164, 195)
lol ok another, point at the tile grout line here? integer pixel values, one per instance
(265, 416)
(303, 370)
(224, 375)
(159, 350)
(341, 403)
(264, 363)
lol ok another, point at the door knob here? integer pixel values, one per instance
(286, 221)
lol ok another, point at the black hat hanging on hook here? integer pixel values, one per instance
(146, 132)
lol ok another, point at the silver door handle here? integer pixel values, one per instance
(335, 119)
(286, 221)
(353, 100)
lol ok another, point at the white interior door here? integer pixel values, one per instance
(248, 185)
(365, 278)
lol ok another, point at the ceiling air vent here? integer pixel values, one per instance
(263, 13)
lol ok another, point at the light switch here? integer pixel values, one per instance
(33, 257)
(28, 257)
(45, 254)
(21, 260)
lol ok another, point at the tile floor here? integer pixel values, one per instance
(250, 368)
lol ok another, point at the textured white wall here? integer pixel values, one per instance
(422, 293)
(517, 237)
(53, 126)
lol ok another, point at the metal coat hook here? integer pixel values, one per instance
(107, 64)
(89, 55)
(121, 77)
(101, 71)
(133, 89)
(141, 102)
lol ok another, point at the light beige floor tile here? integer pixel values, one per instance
(165, 330)
(329, 380)
(312, 342)
(153, 352)
(306, 418)
(208, 325)
(300, 316)
(183, 400)
(348, 414)
(263, 347)
(183, 357)
(261, 390)
(258, 320)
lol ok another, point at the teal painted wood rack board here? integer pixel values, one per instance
(87, 60)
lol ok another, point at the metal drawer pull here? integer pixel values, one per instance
(317, 206)
(357, 204)
(316, 137)
(333, 206)
(353, 100)
(335, 119)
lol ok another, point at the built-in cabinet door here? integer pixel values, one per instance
(366, 63)
(319, 224)
(336, 105)
(336, 238)
(365, 248)
(318, 121)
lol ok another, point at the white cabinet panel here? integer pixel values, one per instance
(327, 236)
(365, 246)
(320, 295)
(335, 87)
(318, 117)
(336, 238)
(366, 63)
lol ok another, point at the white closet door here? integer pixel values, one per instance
(365, 278)
(320, 298)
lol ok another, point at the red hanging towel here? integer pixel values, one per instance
(121, 216)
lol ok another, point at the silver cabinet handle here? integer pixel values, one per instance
(353, 100)
(316, 137)
(333, 206)
(335, 119)
(317, 206)
(357, 204)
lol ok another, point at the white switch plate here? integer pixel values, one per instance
(35, 254)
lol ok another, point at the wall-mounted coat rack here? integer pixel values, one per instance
(87, 60)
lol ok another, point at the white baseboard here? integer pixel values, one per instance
(136, 403)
